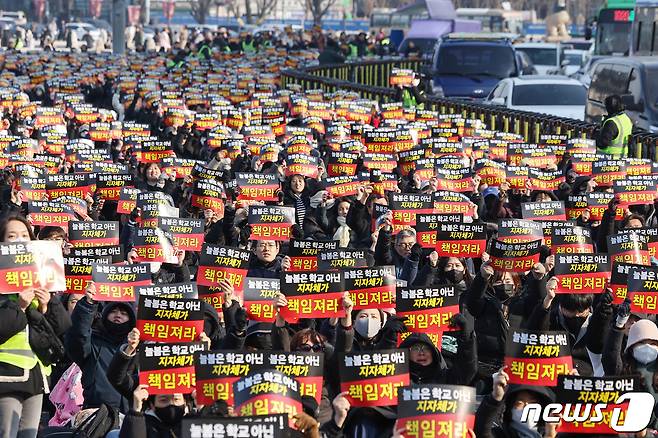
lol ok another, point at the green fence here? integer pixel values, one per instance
(370, 80)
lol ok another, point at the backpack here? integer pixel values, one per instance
(98, 424)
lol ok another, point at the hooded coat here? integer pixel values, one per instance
(93, 350)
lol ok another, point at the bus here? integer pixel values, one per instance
(645, 28)
(627, 27)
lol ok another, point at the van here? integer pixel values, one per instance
(469, 66)
(634, 79)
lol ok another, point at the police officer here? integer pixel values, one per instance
(616, 129)
(411, 97)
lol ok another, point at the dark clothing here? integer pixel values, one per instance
(139, 425)
(330, 56)
(259, 269)
(462, 371)
(93, 351)
(405, 268)
(42, 329)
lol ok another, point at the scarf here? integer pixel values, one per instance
(342, 234)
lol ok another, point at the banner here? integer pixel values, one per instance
(371, 288)
(100, 233)
(619, 280)
(405, 207)
(257, 186)
(118, 282)
(312, 295)
(304, 253)
(537, 358)
(271, 426)
(187, 233)
(340, 258)
(519, 230)
(47, 213)
(258, 297)
(543, 211)
(168, 368)
(78, 271)
(271, 222)
(643, 289)
(436, 410)
(154, 245)
(427, 227)
(171, 290)
(635, 191)
(461, 240)
(267, 392)
(217, 371)
(373, 378)
(427, 310)
(169, 319)
(581, 273)
(217, 263)
(207, 194)
(109, 185)
(571, 240)
(585, 392)
(629, 248)
(115, 252)
(514, 257)
(27, 265)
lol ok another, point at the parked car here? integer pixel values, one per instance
(469, 65)
(574, 60)
(18, 17)
(634, 79)
(554, 95)
(83, 31)
(547, 57)
(425, 34)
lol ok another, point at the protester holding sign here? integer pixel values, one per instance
(32, 322)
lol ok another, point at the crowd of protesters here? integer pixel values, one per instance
(67, 356)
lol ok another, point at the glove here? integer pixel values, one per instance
(245, 234)
(416, 251)
(240, 319)
(605, 304)
(297, 232)
(462, 324)
(623, 313)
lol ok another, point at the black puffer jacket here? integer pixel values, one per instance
(93, 351)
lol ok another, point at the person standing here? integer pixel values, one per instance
(616, 129)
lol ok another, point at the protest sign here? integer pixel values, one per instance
(537, 358)
(427, 310)
(168, 368)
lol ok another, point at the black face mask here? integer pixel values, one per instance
(574, 323)
(170, 415)
(503, 291)
(117, 330)
(454, 276)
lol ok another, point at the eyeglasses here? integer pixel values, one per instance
(266, 245)
(316, 348)
(420, 348)
(407, 245)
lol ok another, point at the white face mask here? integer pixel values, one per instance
(529, 423)
(645, 353)
(367, 327)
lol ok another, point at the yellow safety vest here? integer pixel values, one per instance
(18, 352)
(619, 146)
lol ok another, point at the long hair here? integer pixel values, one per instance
(303, 336)
(5, 222)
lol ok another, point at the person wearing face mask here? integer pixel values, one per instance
(497, 301)
(444, 270)
(374, 329)
(612, 359)
(508, 401)
(32, 322)
(93, 349)
(587, 328)
(155, 416)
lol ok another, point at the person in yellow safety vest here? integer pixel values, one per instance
(616, 129)
(32, 323)
(411, 97)
(248, 45)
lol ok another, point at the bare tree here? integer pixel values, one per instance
(318, 8)
(200, 10)
(259, 10)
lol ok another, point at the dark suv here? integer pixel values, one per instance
(470, 65)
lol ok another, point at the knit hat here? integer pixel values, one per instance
(642, 330)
